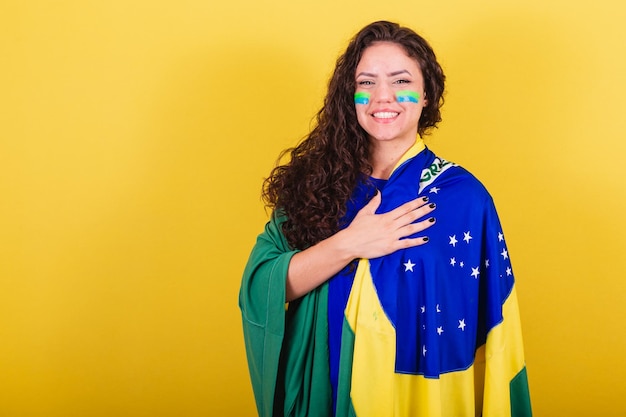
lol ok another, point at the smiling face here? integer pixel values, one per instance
(389, 95)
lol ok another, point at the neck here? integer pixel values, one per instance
(385, 157)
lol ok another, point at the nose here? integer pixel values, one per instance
(383, 94)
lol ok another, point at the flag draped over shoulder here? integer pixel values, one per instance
(432, 330)
(287, 349)
(426, 331)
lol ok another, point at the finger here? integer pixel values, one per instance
(412, 242)
(372, 205)
(415, 214)
(414, 228)
(408, 207)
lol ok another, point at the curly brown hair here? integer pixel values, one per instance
(313, 188)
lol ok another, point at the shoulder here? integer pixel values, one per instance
(448, 183)
(273, 235)
(471, 181)
(442, 172)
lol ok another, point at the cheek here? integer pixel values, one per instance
(361, 98)
(361, 116)
(407, 96)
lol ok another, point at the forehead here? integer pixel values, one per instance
(386, 56)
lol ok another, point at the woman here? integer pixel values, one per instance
(389, 311)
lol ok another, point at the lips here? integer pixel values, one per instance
(385, 114)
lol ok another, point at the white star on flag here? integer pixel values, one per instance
(461, 264)
(437, 308)
(408, 266)
(424, 350)
(466, 237)
(434, 190)
(504, 254)
(508, 271)
(453, 240)
(475, 272)
(423, 309)
(439, 330)
(486, 263)
(500, 237)
(452, 261)
(462, 324)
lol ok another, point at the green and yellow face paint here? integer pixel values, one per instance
(362, 97)
(407, 96)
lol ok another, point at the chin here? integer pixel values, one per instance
(386, 138)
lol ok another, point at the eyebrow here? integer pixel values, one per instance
(391, 74)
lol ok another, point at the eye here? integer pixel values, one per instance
(365, 82)
(402, 81)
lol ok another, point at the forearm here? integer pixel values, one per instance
(314, 266)
(369, 236)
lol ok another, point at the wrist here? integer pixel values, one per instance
(342, 247)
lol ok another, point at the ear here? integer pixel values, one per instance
(425, 100)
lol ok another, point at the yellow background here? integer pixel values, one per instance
(134, 136)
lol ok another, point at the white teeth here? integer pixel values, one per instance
(385, 115)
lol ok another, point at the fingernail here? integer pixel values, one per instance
(425, 199)
(432, 219)
(432, 205)
(425, 239)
